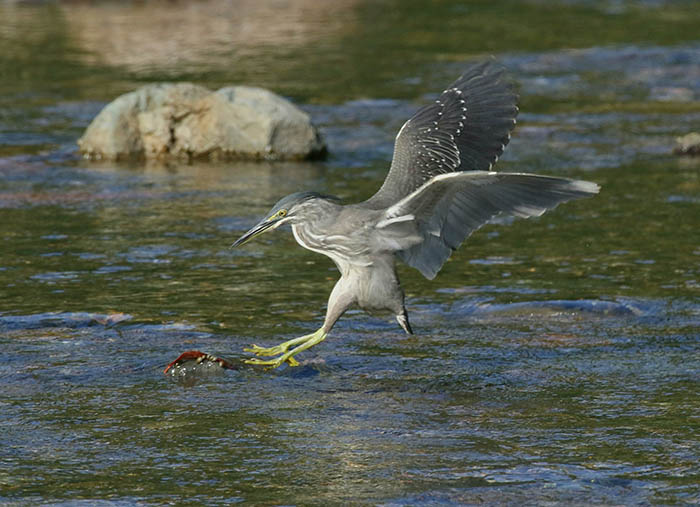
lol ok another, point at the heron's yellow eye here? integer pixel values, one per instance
(280, 214)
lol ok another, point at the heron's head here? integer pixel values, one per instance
(286, 210)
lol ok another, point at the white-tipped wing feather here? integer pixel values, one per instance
(465, 129)
(449, 207)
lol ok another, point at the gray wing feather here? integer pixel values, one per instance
(466, 128)
(447, 209)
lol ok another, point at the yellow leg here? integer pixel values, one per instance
(282, 349)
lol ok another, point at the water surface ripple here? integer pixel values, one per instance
(556, 360)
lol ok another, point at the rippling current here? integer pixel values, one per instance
(555, 360)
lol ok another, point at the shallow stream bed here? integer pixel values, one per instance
(555, 360)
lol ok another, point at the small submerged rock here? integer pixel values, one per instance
(184, 120)
(688, 144)
(197, 361)
(192, 366)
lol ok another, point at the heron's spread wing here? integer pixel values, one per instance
(466, 128)
(447, 209)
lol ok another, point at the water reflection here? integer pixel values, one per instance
(260, 182)
(215, 31)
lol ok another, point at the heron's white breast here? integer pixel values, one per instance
(334, 248)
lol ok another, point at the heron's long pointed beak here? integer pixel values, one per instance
(257, 230)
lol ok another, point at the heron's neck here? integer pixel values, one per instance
(319, 227)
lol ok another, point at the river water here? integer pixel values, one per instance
(556, 360)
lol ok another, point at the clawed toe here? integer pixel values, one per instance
(272, 363)
(282, 350)
(265, 351)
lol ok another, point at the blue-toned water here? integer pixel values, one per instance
(556, 360)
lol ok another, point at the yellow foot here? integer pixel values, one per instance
(272, 363)
(285, 355)
(278, 349)
(265, 351)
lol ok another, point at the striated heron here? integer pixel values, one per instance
(440, 188)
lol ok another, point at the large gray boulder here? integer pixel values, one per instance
(189, 121)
